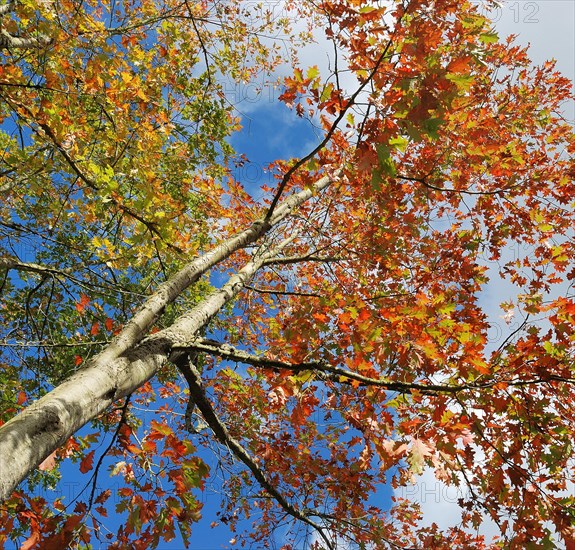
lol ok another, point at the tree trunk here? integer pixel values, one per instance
(131, 359)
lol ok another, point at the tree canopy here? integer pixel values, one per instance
(313, 340)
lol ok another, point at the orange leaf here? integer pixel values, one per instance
(95, 329)
(161, 428)
(81, 305)
(134, 449)
(109, 324)
(459, 65)
(31, 541)
(87, 462)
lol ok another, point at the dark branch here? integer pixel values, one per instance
(94, 478)
(200, 400)
(297, 259)
(287, 176)
(183, 362)
(282, 292)
(340, 375)
(425, 183)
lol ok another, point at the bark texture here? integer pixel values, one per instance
(131, 359)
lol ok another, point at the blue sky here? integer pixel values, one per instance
(548, 26)
(271, 131)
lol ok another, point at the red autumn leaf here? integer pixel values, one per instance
(72, 523)
(87, 462)
(80, 507)
(302, 409)
(103, 496)
(95, 329)
(83, 303)
(109, 324)
(102, 511)
(125, 492)
(31, 541)
(569, 307)
(59, 505)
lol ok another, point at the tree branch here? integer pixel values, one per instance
(296, 259)
(15, 42)
(7, 8)
(425, 183)
(201, 41)
(7, 262)
(167, 292)
(287, 176)
(281, 292)
(183, 362)
(94, 477)
(336, 374)
(220, 431)
(132, 359)
(40, 344)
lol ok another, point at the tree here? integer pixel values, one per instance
(351, 296)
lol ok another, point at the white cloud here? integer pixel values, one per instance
(439, 503)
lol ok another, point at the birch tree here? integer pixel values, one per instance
(322, 337)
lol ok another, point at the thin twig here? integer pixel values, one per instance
(287, 176)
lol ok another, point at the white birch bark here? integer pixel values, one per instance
(7, 8)
(16, 42)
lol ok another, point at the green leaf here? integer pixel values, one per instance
(312, 72)
(489, 37)
(550, 348)
(376, 179)
(431, 127)
(386, 163)
(326, 93)
(463, 82)
(399, 143)
(312, 164)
